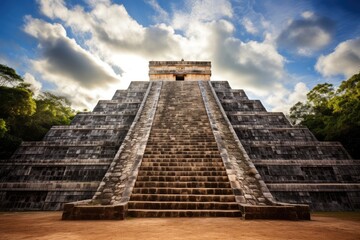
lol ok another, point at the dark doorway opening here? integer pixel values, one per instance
(179, 77)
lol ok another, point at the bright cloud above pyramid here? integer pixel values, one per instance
(87, 49)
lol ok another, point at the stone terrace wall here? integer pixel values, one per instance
(70, 162)
(295, 166)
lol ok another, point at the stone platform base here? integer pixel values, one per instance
(283, 212)
(83, 210)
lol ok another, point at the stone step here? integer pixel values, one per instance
(174, 126)
(195, 190)
(182, 128)
(184, 134)
(183, 205)
(190, 163)
(181, 144)
(169, 139)
(184, 148)
(184, 178)
(181, 125)
(181, 173)
(191, 136)
(182, 198)
(176, 156)
(162, 131)
(148, 213)
(182, 153)
(171, 143)
(183, 160)
(187, 129)
(182, 168)
(222, 186)
(188, 148)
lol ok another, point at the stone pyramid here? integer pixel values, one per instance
(180, 145)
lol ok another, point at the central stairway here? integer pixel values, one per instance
(182, 173)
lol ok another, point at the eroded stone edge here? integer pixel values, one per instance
(281, 210)
(117, 207)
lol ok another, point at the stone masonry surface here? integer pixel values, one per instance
(182, 173)
(294, 165)
(180, 148)
(246, 181)
(70, 162)
(118, 182)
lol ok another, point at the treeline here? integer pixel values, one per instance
(333, 114)
(24, 117)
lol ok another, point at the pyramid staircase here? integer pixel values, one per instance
(182, 173)
(181, 159)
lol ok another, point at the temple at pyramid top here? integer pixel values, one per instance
(180, 70)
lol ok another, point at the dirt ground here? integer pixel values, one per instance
(48, 225)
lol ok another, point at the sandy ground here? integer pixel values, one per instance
(48, 225)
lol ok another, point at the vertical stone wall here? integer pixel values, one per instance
(70, 162)
(295, 166)
(176, 70)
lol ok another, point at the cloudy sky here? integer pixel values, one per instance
(276, 50)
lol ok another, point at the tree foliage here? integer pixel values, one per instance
(23, 117)
(51, 110)
(333, 115)
(3, 128)
(8, 76)
(16, 101)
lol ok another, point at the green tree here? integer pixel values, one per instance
(3, 128)
(16, 101)
(50, 110)
(9, 77)
(22, 117)
(333, 115)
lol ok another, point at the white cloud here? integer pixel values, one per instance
(66, 64)
(307, 35)
(76, 18)
(112, 29)
(162, 15)
(282, 99)
(201, 11)
(113, 38)
(256, 66)
(249, 18)
(308, 15)
(345, 59)
(95, 2)
(249, 26)
(35, 84)
(53, 8)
